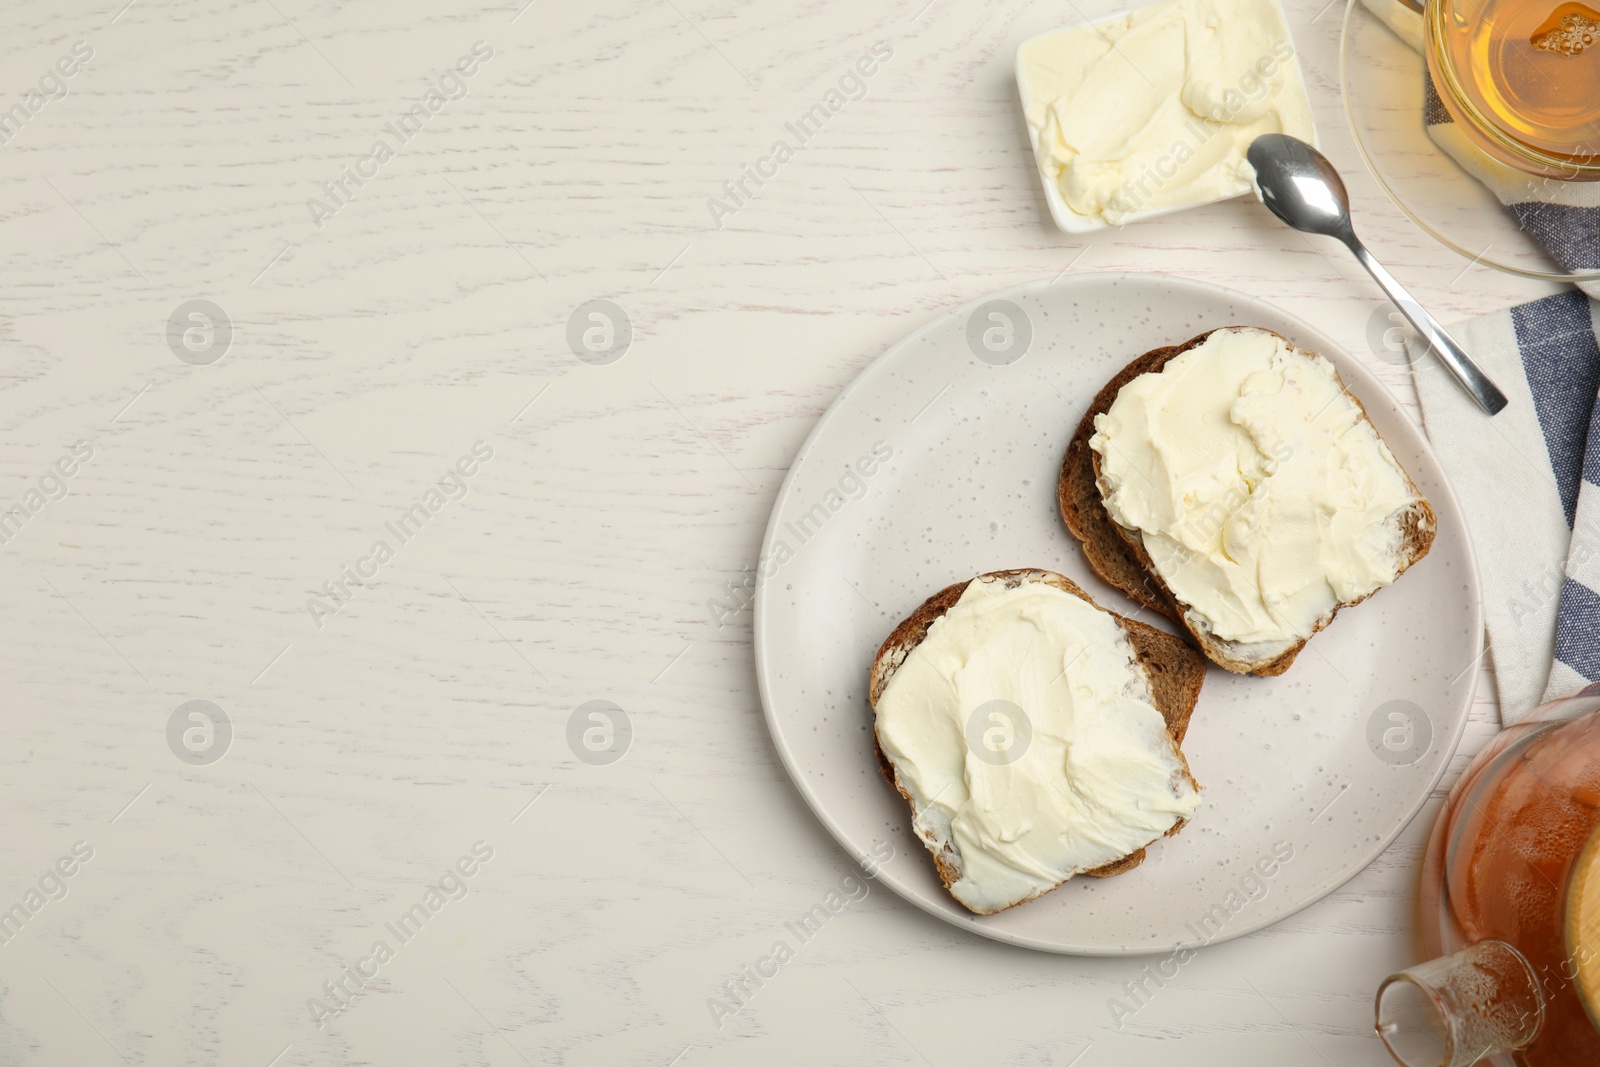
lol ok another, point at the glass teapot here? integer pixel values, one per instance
(1511, 906)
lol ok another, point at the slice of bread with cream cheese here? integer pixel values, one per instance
(1235, 485)
(1035, 734)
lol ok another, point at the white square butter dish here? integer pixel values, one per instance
(1150, 111)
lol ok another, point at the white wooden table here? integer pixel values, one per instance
(380, 735)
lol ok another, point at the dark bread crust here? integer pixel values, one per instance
(1110, 554)
(1174, 668)
(1117, 554)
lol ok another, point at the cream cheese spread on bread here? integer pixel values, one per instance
(1264, 496)
(1025, 732)
(1154, 110)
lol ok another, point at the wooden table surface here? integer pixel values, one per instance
(389, 324)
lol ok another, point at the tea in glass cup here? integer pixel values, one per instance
(1521, 78)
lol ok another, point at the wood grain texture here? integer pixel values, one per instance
(369, 354)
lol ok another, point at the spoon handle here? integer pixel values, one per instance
(1455, 358)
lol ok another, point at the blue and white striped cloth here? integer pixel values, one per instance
(1529, 482)
(1529, 478)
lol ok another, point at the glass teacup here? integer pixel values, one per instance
(1521, 78)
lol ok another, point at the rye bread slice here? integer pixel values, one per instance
(1117, 554)
(1174, 668)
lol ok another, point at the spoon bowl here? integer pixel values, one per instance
(1300, 186)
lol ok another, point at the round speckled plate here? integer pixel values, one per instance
(939, 463)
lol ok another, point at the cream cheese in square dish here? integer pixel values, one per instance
(1151, 111)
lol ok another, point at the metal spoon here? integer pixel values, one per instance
(1300, 186)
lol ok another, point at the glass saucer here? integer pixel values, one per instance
(1381, 80)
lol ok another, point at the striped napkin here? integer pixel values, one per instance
(1529, 482)
(1529, 478)
(1563, 217)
